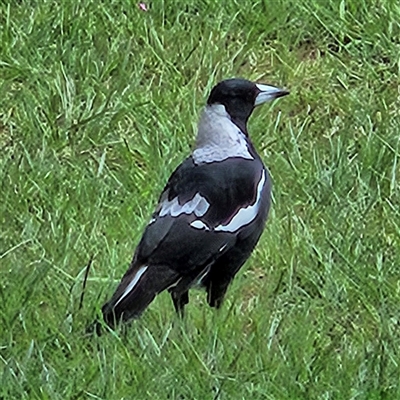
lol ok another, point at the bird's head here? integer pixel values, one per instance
(240, 97)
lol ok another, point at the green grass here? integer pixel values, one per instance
(99, 103)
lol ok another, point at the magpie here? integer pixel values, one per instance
(210, 214)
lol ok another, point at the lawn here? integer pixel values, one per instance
(99, 103)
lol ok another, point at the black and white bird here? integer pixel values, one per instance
(211, 213)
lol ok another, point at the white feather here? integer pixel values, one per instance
(218, 138)
(197, 206)
(245, 215)
(198, 224)
(132, 283)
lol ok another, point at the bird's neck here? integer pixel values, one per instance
(216, 128)
(219, 137)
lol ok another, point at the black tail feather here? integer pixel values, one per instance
(130, 302)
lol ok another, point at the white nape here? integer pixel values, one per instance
(218, 138)
(198, 205)
(245, 215)
(132, 283)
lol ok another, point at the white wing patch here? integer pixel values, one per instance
(198, 224)
(197, 206)
(245, 215)
(133, 283)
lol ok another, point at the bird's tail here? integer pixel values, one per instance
(136, 291)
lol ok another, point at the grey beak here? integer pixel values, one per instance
(268, 93)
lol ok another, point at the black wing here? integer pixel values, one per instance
(201, 211)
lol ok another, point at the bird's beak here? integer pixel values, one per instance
(268, 93)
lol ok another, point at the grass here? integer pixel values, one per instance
(99, 103)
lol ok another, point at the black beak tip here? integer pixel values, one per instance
(283, 93)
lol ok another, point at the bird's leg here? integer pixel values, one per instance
(180, 300)
(216, 292)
